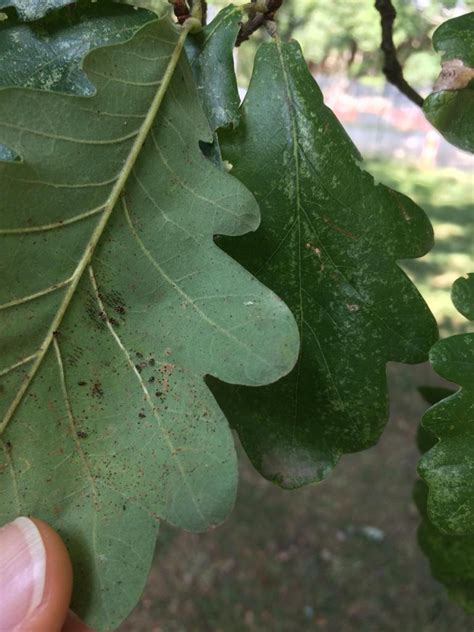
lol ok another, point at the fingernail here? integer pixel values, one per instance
(22, 571)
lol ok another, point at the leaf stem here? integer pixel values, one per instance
(189, 25)
(260, 12)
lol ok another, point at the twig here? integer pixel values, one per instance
(392, 68)
(204, 12)
(257, 18)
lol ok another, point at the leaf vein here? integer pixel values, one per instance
(182, 293)
(146, 392)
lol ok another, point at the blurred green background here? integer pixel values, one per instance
(341, 556)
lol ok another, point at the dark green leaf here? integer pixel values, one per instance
(462, 295)
(210, 52)
(451, 105)
(425, 439)
(451, 557)
(447, 467)
(432, 395)
(451, 113)
(114, 303)
(453, 39)
(328, 245)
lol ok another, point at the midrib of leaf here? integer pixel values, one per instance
(97, 233)
(296, 158)
(143, 386)
(299, 211)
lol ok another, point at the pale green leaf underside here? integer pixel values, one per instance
(328, 245)
(116, 427)
(50, 60)
(447, 467)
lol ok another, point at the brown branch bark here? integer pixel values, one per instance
(181, 10)
(204, 12)
(257, 19)
(392, 68)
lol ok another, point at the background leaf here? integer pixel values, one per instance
(210, 52)
(432, 395)
(447, 467)
(453, 39)
(116, 427)
(449, 108)
(451, 557)
(328, 245)
(462, 294)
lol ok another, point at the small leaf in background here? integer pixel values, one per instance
(114, 304)
(328, 245)
(450, 107)
(48, 56)
(210, 53)
(451, 557)
(447, 468)
(462, 295)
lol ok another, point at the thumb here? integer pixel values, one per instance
(35, 579)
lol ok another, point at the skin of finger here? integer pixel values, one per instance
(51, 613)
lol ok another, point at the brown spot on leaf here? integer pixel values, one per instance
(454, 75)
(97, 390)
